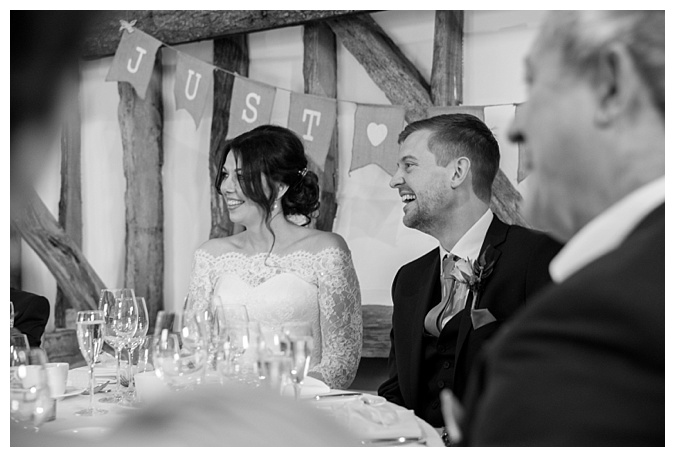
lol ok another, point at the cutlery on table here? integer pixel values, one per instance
(347, 394)
(97, 389)
(401, 440)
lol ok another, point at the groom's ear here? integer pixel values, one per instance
(458, 170)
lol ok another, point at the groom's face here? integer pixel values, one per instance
(423, 185)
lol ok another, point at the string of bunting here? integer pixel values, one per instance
(313, 118)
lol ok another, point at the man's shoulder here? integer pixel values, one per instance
(421, 261)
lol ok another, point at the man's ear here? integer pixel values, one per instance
(459, 170)
(617, 85)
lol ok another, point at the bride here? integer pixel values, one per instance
(282, 271)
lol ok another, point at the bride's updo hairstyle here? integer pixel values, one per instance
(277, 154)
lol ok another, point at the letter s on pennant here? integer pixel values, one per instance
(254, 117)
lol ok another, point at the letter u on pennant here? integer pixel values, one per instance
(198, 78)
(141, 53)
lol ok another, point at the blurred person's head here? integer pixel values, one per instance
(446, 164)
(592, 128)
(263, 173)
(43, 68)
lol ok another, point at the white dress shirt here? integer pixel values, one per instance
(607, 230)
(468, 246)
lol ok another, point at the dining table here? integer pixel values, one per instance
(374, 420)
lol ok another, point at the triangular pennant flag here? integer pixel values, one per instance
(376, 130)
(194, 83)
(313, 119)
(251, 105)
(477, 111)
(523, 169)
(134, 60)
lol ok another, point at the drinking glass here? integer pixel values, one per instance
(132, 343)
(179, 349)
(233, 339)
(301, 342)
(274, 361)
(90, 326)
(17, 342)
(11, 314)
(209, 322)
(107, 304)
(30, 401)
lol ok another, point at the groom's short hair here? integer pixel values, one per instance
(457, 135)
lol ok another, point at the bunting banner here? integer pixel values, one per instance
(313, 119)
(376, 130)
(194, 84)
(134, 60)
(477, 111)
(251, 105)
(522, 160)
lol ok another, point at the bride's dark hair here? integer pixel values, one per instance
(277, 154)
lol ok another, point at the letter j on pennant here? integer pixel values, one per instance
(134, 60)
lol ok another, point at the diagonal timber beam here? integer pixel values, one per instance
(392, 71)
(76, 278)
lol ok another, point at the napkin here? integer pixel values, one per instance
(309, 388)
(372, 417)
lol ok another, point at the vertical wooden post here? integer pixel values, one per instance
(446, 68)
(15, 258)
(320, 74)
(141, 124)
(70, 203)
(231, 54)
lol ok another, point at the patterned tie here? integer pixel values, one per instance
(434, 318)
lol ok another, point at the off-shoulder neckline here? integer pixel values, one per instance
(300, 252)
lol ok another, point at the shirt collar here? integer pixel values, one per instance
(608, 230)
(468, 246)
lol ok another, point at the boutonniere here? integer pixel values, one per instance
(475, 272)
(481, 269)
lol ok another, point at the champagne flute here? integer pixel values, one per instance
(179, 349)
(234, 337)
(107, 304)
(133, 342)
(30, 401)
(301, 342)
(90, 325)
(274, 361)
(11, 314)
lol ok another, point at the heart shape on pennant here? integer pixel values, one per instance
(376, 133)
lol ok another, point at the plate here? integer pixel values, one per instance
(85, 432)
(70, 391)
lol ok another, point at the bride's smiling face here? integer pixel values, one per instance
(242, 209)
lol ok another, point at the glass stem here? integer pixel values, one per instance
(91, 388)
(131, 372)
(118, 355)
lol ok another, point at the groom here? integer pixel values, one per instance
(446, 167)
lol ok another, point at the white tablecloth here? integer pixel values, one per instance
(97, 427)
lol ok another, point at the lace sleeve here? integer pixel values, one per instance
(340, 318)
(201, 281)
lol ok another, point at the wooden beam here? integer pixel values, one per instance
(76, 278)
(320, 75)
(15, 258)
(177, 27)
(506, 200)
(70, 202)
(230, 53)
(392, 71)
(446, 68)
(141, 124)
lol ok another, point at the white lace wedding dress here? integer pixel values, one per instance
(321, 288)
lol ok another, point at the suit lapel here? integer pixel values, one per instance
(428, 297)
(495, 236)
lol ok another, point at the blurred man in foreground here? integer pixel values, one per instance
(583, 365)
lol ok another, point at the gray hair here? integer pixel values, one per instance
(583, 36)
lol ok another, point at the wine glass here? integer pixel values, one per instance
(30, 400)
(179, 349)
(301, 342)
(233, 339)
(133, 342)
(90, 326)
(17, 342)
(107, 304)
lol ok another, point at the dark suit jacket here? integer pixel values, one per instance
(31, 313)
(584, 364)
(521, 268)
